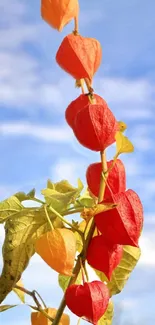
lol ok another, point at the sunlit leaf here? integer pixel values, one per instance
(60, 195)
(123, 144)
(86, 200)
(20, 233)
(21, 196)
(121, 274)
(122, 126)
(8, 207)
(6, 307)
(20, 293)
(63, 280)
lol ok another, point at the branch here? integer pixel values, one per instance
(84, 252)
(33, 294)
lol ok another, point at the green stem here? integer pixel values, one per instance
(43, 302)
(33, 295)
(37, 200)
(72, 211)
(64, 220)
(48, 218)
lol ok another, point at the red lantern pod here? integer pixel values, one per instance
(95, 127)
(122, 225)
(89, 301)
(104, 256)
(78, 104)
(79, 56)
(116, 179)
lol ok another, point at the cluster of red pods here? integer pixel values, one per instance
(95, 126)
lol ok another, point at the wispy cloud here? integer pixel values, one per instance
(45, 133)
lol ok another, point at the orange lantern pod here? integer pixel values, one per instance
(79, 56)
(58, 13)
(58, 248)
(37, 318)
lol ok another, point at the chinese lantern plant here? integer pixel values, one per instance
(74, 57)
(89, 300)
(109, 235)
(103, 255)
(116, 180)
(78, 104)
(58, 13)
(57, 248)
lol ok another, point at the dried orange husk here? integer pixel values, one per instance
(58, 248)
(79, 56)
(58, 13)
(37, 318)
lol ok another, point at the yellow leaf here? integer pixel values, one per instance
(21, 232)
(122, 126)
(20, 293)
(6, 307)
(64, 280)
(123, 144)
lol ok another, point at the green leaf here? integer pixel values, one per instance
(79, 242)
(63, 280)
(107, 318)
(86, 200)
(9, 207)
(60, 195)
(21, 196)
(123, 144)
(6, 307)
(21, 231)
(80, 185)
(20, 293)
(121, 274)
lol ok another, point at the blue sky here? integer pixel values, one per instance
(36, 143)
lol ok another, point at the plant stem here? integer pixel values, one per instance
(33, 295)
(90, 89)
(102, 181)
(37, 200)
(43, 302)
(84, 252)
(72, 211)
(82, 86)
(76, 25)
(64, 220)
(63, 303)
(48, 218)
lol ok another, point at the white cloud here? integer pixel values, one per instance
(147, 245)
(51, 133)
(67, 169)
(131, 99)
